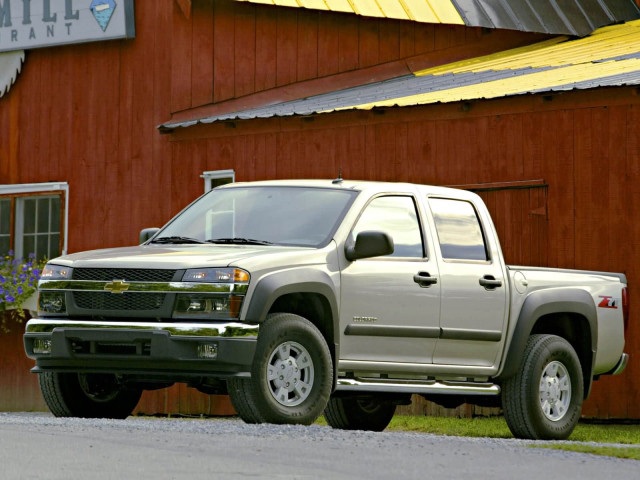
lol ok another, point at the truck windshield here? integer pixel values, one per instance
(279, 215)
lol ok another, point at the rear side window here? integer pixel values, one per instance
(459, 230)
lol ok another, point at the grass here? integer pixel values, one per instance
(496, 427)
(632, 453)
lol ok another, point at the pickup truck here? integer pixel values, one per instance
(304, 297)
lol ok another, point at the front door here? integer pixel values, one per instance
(391, 305)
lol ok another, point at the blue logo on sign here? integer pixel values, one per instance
(102, 11)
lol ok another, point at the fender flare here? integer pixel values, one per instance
(546, 302)
(273, 286)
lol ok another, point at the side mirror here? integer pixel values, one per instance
(147, 233)
(370, 244)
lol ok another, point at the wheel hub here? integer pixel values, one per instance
(555, 391)
(99, 388)
(290, 374)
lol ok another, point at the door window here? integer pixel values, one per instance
(396, 216)
(459, 230)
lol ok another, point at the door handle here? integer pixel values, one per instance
(489, 282)
(424, 279)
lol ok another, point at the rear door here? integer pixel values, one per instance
(473, 285)
(391, 305)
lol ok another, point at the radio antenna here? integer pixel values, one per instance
(339, 179)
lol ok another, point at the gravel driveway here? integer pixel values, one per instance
(38, 446)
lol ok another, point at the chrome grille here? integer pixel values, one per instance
(128, 274)
(126, 301)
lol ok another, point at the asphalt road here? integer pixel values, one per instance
(39, 446)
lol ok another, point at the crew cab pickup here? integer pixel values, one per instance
(299, 298)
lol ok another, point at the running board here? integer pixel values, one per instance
(416, 386)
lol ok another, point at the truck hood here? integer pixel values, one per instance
(181, 256)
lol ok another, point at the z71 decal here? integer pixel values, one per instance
(608, 302)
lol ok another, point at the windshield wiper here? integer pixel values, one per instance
(176, 240)
(242, 241)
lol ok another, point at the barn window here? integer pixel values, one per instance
(33, 219)
(215, 178)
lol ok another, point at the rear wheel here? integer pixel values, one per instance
(87, 395)
(359, 413)
(544, 399)
(292, 373)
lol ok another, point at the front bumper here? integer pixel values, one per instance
(170, 350)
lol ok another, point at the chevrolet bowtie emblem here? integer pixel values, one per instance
(117, 286)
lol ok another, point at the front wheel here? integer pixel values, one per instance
(87, 395)
(543, 401)
(292, 373)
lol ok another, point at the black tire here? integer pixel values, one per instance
(87, 395)
(543, 401)
(354, 413)
(239, 390)
(294, 348)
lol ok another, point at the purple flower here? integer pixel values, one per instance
(10, 298)
(20, 290)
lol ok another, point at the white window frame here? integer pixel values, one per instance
(40, 188)
(217, 175)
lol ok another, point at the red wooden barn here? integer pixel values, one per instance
(537, 110)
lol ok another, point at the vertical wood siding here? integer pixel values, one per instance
(19, 390)
(87, 115)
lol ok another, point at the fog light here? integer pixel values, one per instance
(208, 351)
(42, 346)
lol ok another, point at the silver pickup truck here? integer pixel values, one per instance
(299, 298)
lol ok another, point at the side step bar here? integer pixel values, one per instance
(416, 386)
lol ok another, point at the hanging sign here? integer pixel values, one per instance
(10, 65)
(27, 24)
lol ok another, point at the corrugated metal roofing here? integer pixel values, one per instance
(608, 57)
(569, 17)
(427, 11)
(572, 17)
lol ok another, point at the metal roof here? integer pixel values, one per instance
(428, 11)
(570, 17)
(608, 57)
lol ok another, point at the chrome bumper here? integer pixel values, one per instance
(217, 329)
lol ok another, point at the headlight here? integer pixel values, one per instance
(212, 306)
(55, 272)
(202, 307)
(216, 275)
(51, 302)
